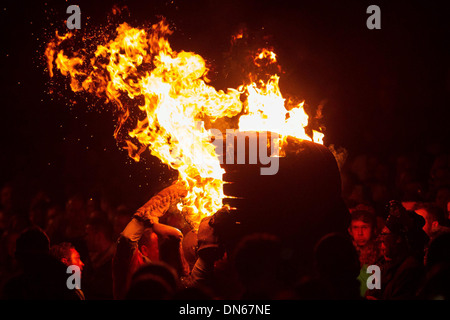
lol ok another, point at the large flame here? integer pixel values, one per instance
(175, 99)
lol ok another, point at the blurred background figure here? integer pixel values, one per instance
(437, 280)
(403, 243)
(121, 218)
(38, 210)
(259, 265)
(77, 218)
(442, 199)
(153, 281)
(98, 283)
(337, 267)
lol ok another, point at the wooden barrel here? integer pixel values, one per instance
(299, 203)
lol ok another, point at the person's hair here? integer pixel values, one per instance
(364, 216)
(337, 266)
(149, 287)
(61, 250)
(335, 256)
(435, 212)
(256, 253)
(158, 269)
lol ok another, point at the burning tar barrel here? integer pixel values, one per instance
(299, 202)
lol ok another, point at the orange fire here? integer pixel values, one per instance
(175, 100)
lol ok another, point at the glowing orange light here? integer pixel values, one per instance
(176, 98)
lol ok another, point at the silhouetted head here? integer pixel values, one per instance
(149, 287)
(153, 281)
(99, 234)
(336, 257)
(439, 251)
(31, 243)
(260, 265)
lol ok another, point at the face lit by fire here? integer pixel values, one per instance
(73, 259)
(361, 232)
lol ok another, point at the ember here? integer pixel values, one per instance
(119, 147)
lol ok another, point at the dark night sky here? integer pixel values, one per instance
(384, 90)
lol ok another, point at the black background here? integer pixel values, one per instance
(384, 91)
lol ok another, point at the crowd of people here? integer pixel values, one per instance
(152, 252)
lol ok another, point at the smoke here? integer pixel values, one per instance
(340, 154)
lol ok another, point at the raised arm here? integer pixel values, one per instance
(149, 214)
(145, 217)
